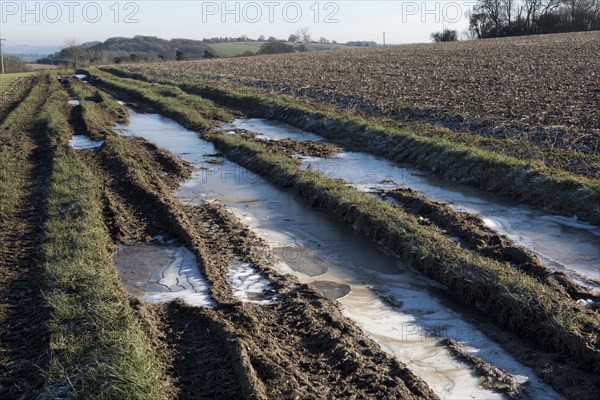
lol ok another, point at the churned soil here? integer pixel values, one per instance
(299, 346)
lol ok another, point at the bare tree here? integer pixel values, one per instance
(303, 34)
(74, 51)
(446, 35)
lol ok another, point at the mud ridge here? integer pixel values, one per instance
(491, 377)
(302, 322)
(129, 212)
(290, 147)
(474, 235)
(201, 354)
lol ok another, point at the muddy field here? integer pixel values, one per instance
(489, 243)
(174, 247)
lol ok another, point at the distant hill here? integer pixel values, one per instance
(232, 49)
(150, 48)
(138, 47)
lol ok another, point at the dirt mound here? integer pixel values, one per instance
(313, 148)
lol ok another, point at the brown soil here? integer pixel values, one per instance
(24, 338)
(299, 347)
(196, 348)
(474, 235)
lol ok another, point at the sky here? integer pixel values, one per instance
(50, 23)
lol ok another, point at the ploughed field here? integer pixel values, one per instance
(214, 230)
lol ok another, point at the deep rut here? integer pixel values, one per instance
(200, 354)
(23, 335)
(301, 346)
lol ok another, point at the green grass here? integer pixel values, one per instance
(9, 81)
(99, 112)
(232, 49)
(12, 184)
(98, 348)
(9, 78)
(173, 102)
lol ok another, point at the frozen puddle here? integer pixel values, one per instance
(332, 290)
(249, 285)
(341, 263)
(562, 243)
(160, 274)
(82, 142)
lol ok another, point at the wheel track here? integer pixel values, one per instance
(200, 353)
(303, 347)
(24, 338)
(300, 345)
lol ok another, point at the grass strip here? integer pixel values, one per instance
(98, 348)
(11, 182)
(548, 188)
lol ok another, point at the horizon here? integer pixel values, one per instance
(39, 23)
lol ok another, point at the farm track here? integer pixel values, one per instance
(24, 338)
(300, 346)
(566, 376)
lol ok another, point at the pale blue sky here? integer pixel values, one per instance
(403, 21)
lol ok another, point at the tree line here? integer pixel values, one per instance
(499, 18)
